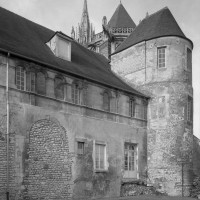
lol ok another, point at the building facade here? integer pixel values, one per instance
(69, 127)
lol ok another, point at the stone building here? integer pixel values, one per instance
(72, 128)
(157, 59)
(112, 35)
(75, 129)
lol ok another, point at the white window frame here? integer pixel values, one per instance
(19, 77)
(75, 92)
(105, 168)
(160, 59)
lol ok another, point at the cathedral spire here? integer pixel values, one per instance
(85, 10)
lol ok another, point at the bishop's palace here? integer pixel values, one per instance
(96, 115)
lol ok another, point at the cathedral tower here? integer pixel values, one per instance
(157, 59)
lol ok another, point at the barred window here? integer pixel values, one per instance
(20, 78)
(75, 93)
(161, 57)
(59, 88)
(190, 109)
(80, 148)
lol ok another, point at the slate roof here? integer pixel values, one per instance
(27, 39)
(159, 24)
(121, 19)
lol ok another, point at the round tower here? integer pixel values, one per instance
(161, 66)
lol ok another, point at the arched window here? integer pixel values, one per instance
(20, 78)
(106, 101)
(75, 93)
(59, 88)
(41, 83)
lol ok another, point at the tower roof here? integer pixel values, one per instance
(159, 24)
(121, 19)
(85, 7)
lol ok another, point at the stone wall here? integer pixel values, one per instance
(170, 136)
(196, 156)
(43, 149)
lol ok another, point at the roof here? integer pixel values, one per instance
(26, 39)
(121, 19)
(159, 24)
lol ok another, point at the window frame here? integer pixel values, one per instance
(189, 109)
(159, 63)
(106, 105)
(132, 107)
(83, 149)
(105, 166)
(36, 83)
(188, 59)
(61, 84)
(75, 92)
(20, 86)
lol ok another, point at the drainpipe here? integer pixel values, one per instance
(145, 59)
(8, 121)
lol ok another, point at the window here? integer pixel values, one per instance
(189, 59)
(75, 93)
(41, 83)
(161, 57)
(130, 160)
(32, 81)
(59, 88)
(20, 78)
(100, 156)
(80, 148)
(106, 101)
(132, 108)
(190, 109)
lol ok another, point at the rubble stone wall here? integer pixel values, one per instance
(170, 135)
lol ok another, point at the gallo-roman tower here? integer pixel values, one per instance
(157, 59)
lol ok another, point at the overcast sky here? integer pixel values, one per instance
(61, 15)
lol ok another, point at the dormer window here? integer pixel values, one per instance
(60, 45)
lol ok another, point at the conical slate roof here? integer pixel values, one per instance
(121, 19)
(159, 24)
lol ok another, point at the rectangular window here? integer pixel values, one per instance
(80, 148)
(189, 59)
(161, 57)
(20, 78)
(130, 159)
(100, 156)
(190, 109)
(75, 94)
(132, 107)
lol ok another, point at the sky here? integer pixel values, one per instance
(61, 15)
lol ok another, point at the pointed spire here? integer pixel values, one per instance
(85, 10)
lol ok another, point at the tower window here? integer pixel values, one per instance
(80, 148)
(161, 57)
(190, 109)
(189, 59)
(20, 78)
